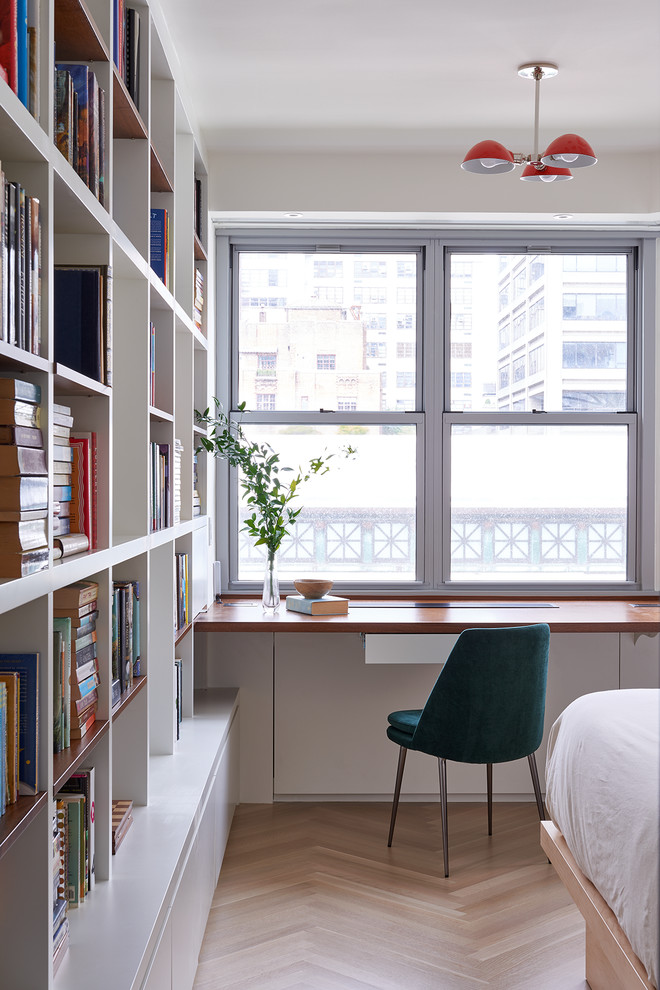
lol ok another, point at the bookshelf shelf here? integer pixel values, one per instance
(77, 39)
(68, 761)
(149, 163)
(139, 683)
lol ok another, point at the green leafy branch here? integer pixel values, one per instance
(265, 491)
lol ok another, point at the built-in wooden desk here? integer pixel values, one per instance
(315, 691)
(633, 615)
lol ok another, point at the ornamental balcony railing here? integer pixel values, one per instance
(526, 542)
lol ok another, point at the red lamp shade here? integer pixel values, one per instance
(488, 158)
(569, 149)
(546, 173)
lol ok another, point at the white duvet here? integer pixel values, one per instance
(603, 782)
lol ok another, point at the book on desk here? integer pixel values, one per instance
(328, 605)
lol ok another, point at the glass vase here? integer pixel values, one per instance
(270, 598)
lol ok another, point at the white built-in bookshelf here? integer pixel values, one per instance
(141, 923)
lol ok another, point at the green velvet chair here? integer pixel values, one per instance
(487, 706)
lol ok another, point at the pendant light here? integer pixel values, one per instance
(490, 157)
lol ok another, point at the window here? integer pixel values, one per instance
(458, 482)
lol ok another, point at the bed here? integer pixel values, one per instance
(602, 794)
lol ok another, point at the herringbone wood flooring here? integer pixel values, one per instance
(311, 898)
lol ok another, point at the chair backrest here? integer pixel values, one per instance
(488, 703)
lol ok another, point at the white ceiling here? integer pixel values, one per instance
(423, 75)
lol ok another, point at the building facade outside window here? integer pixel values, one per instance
(516, 399)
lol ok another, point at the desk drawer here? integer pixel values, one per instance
(408, 647)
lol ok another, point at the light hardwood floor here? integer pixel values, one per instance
(311, 898)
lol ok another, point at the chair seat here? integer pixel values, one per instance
(402, 726)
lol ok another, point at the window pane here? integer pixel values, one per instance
(538, 324)
(329, 328)
(358, 521)
(539, 503)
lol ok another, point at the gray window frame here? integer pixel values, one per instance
(432, 417)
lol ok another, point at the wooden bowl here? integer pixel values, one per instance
(312, 587)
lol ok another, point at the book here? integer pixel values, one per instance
(80, 730)
(122, 819)
(80, 705)
(22, 460)
(72, 543)
(77, 320)
(9, 42)
(132, 29)
(21, 493)
(85, 670)
(79, 618)
(84, 485)
(20, 388)
(26, 534)
(328, 605)
(76, 595)
(18, 565)
(158, 243)
(3, 748)
(11, 681)
(58, 691)
(63, 625)
(83, 782)
(17, 412)
(22, 436)
(26, 665)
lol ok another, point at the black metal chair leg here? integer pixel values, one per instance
(442, 771)
(489, 783)
(403, 752)
(533, 769)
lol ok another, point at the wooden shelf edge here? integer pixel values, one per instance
(18, 817)
(126, 120)
(200, 250)
(160, 181)
(182, 633)
(68, 761)
(77, 38)
(129, 695)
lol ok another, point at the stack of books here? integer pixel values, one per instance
(23, 700)
(159, 482)
(178, 695)
(61, 432)
(122, 819)
(78, 604)
(198, 303)
(80, 124)
(68, 538)
(197, 502)
(23, 481)
(178, 455)
(125, 636)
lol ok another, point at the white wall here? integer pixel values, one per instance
(424, 183)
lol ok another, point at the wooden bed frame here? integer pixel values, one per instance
(611, 963)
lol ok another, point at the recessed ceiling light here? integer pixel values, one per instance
(292, 216)
(563, 216)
